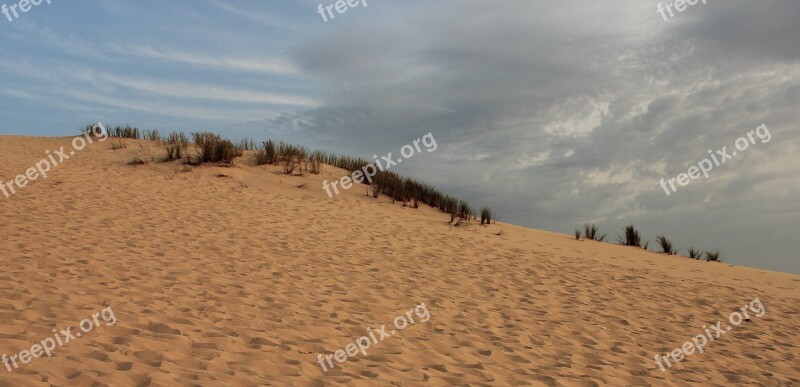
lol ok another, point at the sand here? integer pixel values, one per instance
(242, 276)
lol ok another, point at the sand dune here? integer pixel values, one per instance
(242, 276)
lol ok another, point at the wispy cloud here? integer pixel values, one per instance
(247, 11)
(209, 60)
(208, 92)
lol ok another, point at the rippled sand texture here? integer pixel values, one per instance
(241, 276)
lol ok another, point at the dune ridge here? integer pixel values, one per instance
(242, 276)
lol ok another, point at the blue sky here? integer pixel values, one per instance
(554, 113)
(178, 65)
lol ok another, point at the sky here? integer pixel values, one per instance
(554, 113)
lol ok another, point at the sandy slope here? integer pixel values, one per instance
(242, 280)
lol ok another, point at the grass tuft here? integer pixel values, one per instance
(666, 245)
(152, 135)
(695, 254)
(590, 231)
(465, 211)
(486, 215)
(266, 155)
(175, 145)
(90, 130)
(316, 162)
(246, 145)
(290, 156)
(214, 149)
(125, 132)
(712, 256)
(632, 238)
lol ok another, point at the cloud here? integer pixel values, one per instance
(561, 113)
(247, 12)
(223, 62)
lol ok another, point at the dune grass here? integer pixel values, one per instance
(590, 232)
(152, 135)
(246, 145)
(632, 238)
(175, 145)
(290, 157)
(90, 131)
(666, 245)
(486, 215)
(314, 162)
(214, 149)
(712, 256)
(266, 155)
(125, 132)
(211, 148)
